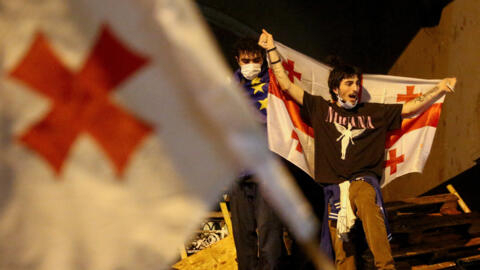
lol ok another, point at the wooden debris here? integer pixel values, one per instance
(449, 265)
(219, 256)
(430, 233)
(436, 266)
(461, 202)
(421, 224)
(424, 200)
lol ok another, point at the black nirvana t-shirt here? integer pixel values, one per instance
(349, 143)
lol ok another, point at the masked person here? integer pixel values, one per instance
(257, 231)
(349, 154)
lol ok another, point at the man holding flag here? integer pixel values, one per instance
(349, 151)
(257, 231)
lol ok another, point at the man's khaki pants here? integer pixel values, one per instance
(362, 197)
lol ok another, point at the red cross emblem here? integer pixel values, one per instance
(409, 96)
(289, 67)
(295, 137)
(80, 100)
(393, 161)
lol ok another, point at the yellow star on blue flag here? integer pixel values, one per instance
(257, 85)
(263, 103)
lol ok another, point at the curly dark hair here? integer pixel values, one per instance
(338, 73)
(248, 45)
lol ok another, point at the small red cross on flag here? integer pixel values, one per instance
(409, 95)
(289, 67)
(393, 160)
(295, 137)
(81, 101)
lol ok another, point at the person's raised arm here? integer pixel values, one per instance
(424, 101)
(266, 41)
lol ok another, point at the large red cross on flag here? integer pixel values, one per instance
(112, 150)
(406, 149)
(82, 98)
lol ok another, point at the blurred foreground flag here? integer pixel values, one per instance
(118, 130)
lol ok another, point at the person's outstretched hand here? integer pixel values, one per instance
(266, 40)
(447, 84)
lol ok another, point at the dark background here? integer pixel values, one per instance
(368, 34)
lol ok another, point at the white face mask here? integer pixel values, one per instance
(250, 71)
(346, 104)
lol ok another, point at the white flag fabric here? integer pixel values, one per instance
(406, 149)
(119, 130)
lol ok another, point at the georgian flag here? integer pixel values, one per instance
(406, 149)
(112, 148)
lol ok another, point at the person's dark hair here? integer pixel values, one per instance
(339, 72)
(248, 45)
